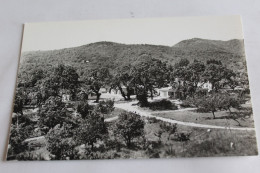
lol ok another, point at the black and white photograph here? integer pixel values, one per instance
(132, 89)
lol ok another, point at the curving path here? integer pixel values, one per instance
(111, 119)
(128, 107)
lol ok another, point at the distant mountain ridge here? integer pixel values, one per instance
(235, 45)
(113, 55)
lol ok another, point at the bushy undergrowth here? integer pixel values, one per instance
(32, 155)
(106, 107)
(222, 143)
(162, 105)
(153, 120)
(189, 102)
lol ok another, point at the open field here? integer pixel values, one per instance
(222, 118)
(206, 142)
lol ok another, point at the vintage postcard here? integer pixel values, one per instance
(132, 88)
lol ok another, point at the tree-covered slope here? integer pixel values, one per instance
(113, 55)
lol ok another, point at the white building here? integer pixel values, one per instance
(164, 92)
(206, 85)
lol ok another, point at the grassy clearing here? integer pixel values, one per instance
(221, 143)
(222, 118)
(205, 142)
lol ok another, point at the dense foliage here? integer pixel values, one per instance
(162, 105)
(91, 129)
(129, 126)
(60, 142)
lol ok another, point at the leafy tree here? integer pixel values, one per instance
(19, 101)
(53, 113)
(83, 92)
(17, 136)
(149, 74)
(231, 79)
(105, 107)
(229, 102)
(60, 142)
(123, 78)
(142, 98)
(220, 101)
(195, 71)
(242, 114)
(91, 129)
(182, 63)
(180, 69)
(235, 102)
(98, 78)
(243, 78)
(62, 79)
(36, 75)
(210, 103)
(129, 126)
(215, 72)
(84, 109)
(190, 75)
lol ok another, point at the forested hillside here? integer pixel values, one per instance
(112, 55)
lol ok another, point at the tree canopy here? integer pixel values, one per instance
(129, 126)
(149, 74)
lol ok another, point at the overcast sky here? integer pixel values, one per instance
(157, 31)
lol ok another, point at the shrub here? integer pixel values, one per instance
(162, 105)
(169, 128)
(113, 144)
(32, 155)
(142, 98)
(129, 126)
(91, 129)
(60, 142)
(50, 117)
(200, 92)
(153, 153)
(217, 101)
(152, 120)
(210, 103)
(159, 135)
(17, 137)
(182, 136)
(82, 96)
(169, 151)
(22, 119)
(90, 154)
(54, 113)
(187, 103)
(83, 108)
(105, 107)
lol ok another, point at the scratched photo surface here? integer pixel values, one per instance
(132, 88)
